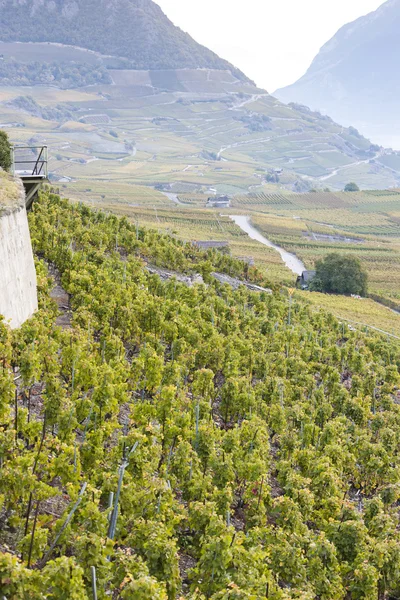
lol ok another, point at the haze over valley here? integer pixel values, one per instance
(354, 78)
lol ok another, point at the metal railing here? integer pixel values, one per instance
(30, 161)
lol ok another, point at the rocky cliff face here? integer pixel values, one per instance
(355, 77)
(18, 295)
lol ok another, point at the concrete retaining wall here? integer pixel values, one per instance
(18, 294)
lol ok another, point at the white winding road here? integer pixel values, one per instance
(291, 261)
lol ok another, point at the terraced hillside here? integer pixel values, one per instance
(188, 130)
(365, 224)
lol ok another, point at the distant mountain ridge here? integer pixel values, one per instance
(355, 77)
(137, 30)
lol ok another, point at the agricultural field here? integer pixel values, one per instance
(165, 440)
(357, 312)
(205, 225)
(308, 240)
(155, 147)
(363, 224)
(194, 130)
(169, 437)
(307, 225)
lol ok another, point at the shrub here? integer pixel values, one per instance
(5, 151)
(351, 187)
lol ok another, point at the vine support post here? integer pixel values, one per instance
(110, 503)
(260, 493)
(16, 414)
(66, 523)
(94, 582)
(114, 515)
(33, 534)
(291, 292)
(197, 424)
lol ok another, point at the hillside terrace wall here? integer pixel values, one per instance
(18, 293)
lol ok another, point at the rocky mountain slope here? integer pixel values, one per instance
(137, 30)
(355, 74)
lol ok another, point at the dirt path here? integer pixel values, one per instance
(250, 100)
(62, 299)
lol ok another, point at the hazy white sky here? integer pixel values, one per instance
(272, 41)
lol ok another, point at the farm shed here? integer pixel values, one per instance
(304, 280)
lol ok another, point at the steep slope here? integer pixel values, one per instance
(192, 130)
(134, 29)
(190, 442)
(355, 74)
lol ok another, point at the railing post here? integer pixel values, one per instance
(40, 162)
(46, 158)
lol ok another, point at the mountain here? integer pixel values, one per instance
(356, 74)
(137, 30)
(155, 108)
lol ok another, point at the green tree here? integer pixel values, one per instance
(351, 187)
(5, 151)
(340, 274)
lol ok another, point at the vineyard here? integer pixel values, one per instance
(194, 200)
(365, 224)
(263, 199)
(196, 224)
(160, 441)
(187, 223)
(357, 202)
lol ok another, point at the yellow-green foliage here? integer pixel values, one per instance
(358, 311)
(254, 439)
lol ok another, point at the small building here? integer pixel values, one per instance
(304, 280)
(219, 201)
